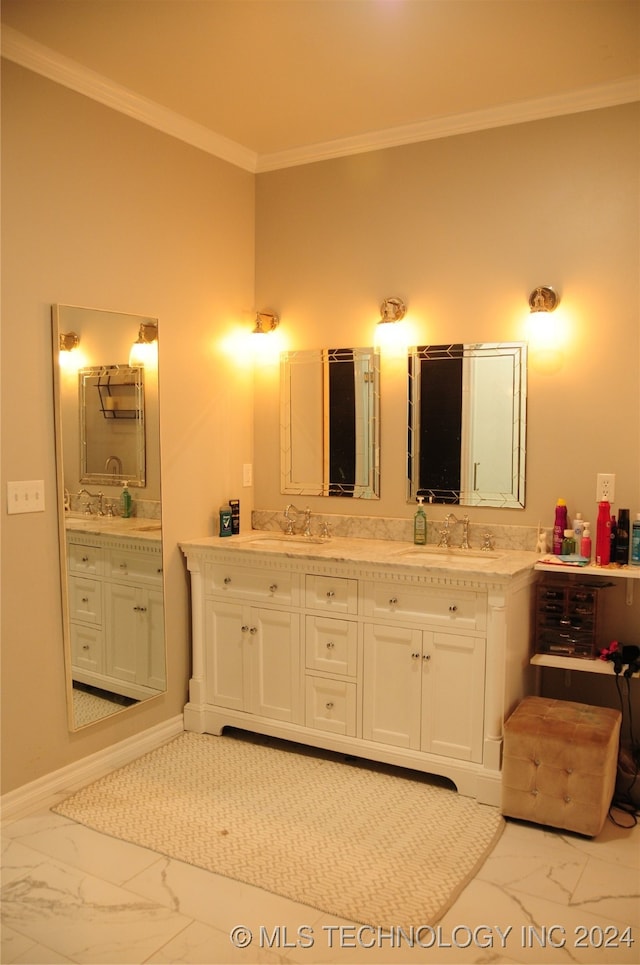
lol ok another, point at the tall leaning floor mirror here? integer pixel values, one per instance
(107, 440)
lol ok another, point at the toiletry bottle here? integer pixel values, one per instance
(603, 533)
(420, 524)
(568, 543)
(635, 541)
(585, 543)
(613, 537)
(225, 521)
(622, 538)
(235, 516)
(125, 502)
(578, 529)
(559, 526)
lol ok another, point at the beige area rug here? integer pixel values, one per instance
(368, 844)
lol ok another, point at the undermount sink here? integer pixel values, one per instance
(277, 541)
(416, 553)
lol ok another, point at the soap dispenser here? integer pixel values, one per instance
(420, 524)
(125, 502)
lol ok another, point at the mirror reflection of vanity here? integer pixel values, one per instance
(467, 424)
(330, 422)
(107, 435)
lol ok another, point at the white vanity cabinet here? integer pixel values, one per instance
(116, 613)
(407, 664)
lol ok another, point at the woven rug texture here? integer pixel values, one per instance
(357, 842)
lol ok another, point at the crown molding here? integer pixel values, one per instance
(624, 91)
(42, 60)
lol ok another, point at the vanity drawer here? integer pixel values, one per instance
(85, 559)
(464, 609)
(335, 593)
(259, 585)
(331, 645)
(123, 565)
(87, 651)
(85, 600)
(331, 705)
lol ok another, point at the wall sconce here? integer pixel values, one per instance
(144, 350)
(267, 319)
(68, 341)
(392, 310)
(543, 299)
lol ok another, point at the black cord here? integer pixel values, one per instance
(622, 798)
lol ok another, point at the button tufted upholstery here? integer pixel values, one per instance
(560, 762)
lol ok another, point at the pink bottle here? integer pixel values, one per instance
(559, 526)
(603, 534)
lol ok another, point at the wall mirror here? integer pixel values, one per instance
(330, 422)
(467, 424)
(108, 433)
(112, 425)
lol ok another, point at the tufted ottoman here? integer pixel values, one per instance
(560, 762)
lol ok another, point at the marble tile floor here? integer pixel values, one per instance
(70, 894)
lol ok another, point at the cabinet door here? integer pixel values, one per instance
(122, 631)
(224, 654)
(453, 695)
(392, 685)
(151, 664)
(273, 640)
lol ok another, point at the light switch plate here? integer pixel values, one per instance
(247, 474)
(25, 497)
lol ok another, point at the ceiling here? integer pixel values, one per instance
(269, 83)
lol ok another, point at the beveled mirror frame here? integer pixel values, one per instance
(513, 360)
(315, 407)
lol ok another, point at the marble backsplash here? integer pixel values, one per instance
(111, 506)
(378, 527)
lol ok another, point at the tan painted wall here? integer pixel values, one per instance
(101, 211)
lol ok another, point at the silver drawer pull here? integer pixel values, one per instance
(329, 704)
(245, 629)
(453, 608)
(227, 580)
(330, 646)
(273, 588)
(415, 656)
(123, 566)
(85, 559)
(85, 646)
(426, 656)
(85, 599)
(393, 601)
(253, 629)
(330, 594)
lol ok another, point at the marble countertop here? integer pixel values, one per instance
(134, 527)
(498, 563)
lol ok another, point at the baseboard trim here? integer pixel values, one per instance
(54, 787)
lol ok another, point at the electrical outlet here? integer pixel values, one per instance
(605, 486)
(25, 497)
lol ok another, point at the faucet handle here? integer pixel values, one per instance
(487, 542)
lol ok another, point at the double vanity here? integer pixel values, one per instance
(115, 600)
(379, 649)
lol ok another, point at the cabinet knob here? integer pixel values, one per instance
(273, 587)
(85, 559)
(426, 656)
(330, 645)
(253, 629)
(227, 580)
(415, 656)
(85, 599)
(393, 601)
(123, 566)
(453, 608)
(245, 629)
(85, 646)
(329, 704)
(142, 609)
(330, 594)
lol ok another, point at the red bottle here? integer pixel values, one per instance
(603, 534)
(559, 526)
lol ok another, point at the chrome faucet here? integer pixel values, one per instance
(445, 532)
(99, 496)
(291, 522)
(113, 460)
